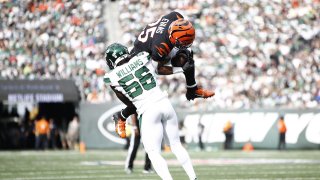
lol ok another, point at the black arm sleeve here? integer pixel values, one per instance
(130, 109)
(126, 112)
(122, 97)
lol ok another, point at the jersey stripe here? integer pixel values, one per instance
(107, 80)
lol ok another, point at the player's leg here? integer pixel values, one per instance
(193, 91)
(152, 134)
(132, 151)
(172, 138)
(147, 164)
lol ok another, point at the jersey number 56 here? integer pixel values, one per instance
(135, 88)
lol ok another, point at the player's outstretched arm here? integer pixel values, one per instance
(130, 109)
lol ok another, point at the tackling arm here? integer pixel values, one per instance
(130, 108)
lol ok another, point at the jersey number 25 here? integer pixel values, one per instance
(143, 37)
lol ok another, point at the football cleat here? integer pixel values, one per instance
(198, 92)
(128, 171)
(149, 171)
(120, 127)
(203, 93)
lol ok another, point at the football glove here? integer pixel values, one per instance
(187, 52)
(120, 124)
(189, 65)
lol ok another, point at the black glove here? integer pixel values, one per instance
(125, 113)
(117, 116)
(189, 65)
(120, 124)
(188, 53)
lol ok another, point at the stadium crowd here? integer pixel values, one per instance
(53, 40)
(252, 53)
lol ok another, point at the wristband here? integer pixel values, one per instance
(134, 127)
(176, 70)
(123, 117)
(126, 112)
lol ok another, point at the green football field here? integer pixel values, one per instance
(108, 164)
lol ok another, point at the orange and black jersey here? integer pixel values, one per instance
(154, 38)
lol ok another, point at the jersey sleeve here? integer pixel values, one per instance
(107, 79)
(160, 51)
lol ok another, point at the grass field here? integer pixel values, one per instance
(108, 164)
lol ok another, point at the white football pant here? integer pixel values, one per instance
(158, 121)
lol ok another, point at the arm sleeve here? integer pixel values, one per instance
(130, 108)
(122, 97)
(126, 112)
(159, 53)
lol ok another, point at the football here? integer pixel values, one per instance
(179, 60)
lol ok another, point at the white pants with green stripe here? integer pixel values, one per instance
(157, 122)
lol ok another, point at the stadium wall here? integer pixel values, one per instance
(259, 126)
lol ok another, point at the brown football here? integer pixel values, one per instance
(179, 60)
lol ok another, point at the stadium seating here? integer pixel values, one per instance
(252, 53)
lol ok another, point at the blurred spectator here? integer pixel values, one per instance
(42, 131)
(53, 40)
(94, 97)
(63, 128)
(228, 132)
(182, 133)
(24, 127)
(200, 133)
(26, 116)
(282, 128)
(30, 135)
(135, 139)
(73, 133)
(53, 134)
(252, 53)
